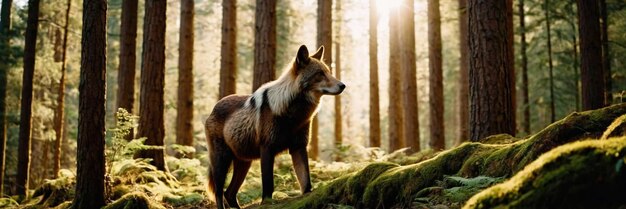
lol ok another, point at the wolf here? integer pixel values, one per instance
(275, 118)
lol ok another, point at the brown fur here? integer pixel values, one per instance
(275, 118)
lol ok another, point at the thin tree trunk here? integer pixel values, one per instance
(374, 97)
(90, 160)
(547, 15)
(324, 38)
(511, 61)
(463, 97)
(338, 113)
(228, 70)
(492, 110)
(396, 116)
(152, 82)
(576, 72)
(23, 158)
(525, 100)
(5, 26)
(606, 54)
(437, 137)
(126, 72)
(60, 111)
(591, 70)
(264, 43)
(184, 118)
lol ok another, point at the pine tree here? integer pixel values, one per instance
(228, 70)
(184, 118)
(23, 158)
(374, 116)
(90, 160)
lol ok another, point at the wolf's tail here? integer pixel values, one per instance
(211, 183)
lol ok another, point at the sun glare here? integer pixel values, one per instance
(385, 6)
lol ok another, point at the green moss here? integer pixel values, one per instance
(187, 199)
(56, 191)
(398, 186)
(584, 174)
(134, 200)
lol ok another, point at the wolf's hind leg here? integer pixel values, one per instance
(240, 169)
(220, 162)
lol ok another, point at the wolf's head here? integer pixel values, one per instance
(314, 76)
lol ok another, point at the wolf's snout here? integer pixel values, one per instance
(341, 86)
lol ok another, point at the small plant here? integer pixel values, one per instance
(120, 148)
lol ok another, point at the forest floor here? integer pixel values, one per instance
(577, 162)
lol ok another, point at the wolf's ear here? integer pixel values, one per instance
(319, 55)
(302, 59)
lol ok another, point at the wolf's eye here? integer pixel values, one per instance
(320, 73)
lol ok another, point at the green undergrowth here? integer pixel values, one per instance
(498, 157)
(586, 174)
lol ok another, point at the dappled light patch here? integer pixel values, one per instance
(135, 200)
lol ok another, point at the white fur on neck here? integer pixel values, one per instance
(280, 93)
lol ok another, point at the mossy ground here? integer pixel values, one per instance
(584, 172)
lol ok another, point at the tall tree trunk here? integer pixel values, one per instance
(437, 137)
(591, 70)
(525, 100)
(23, 158)
(463, 97)
(396, 116)
(374, 97)
(606, 54)
(511, 61)
(324, 38)
(59, 119)
(152, 83)
(90, 160)
(228, 70)
(409, 84)
(547, 15)
(126, 72)
(338, 113)
(184, 127)
(264, 43)
(5, 26)
(491, 107)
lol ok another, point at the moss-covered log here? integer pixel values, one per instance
(388, 186)
(586, 174)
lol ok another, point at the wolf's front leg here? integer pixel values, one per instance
(300, 160)
(267, 174)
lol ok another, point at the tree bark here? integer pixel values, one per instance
(324, 38)
(408, 68)
(5, 26)
(551, 77)
(396, 116)
(228, 70)
(491, 102)
(437, 137)
(152, 83)
(126, 72)
(525, 100)
(23, 158)
(591, 70)
(374, 138)
(184, 118)
(606, 54)
(59, 119)
(92, 102)
(264, 43)
(463, 94)
(338, 113)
